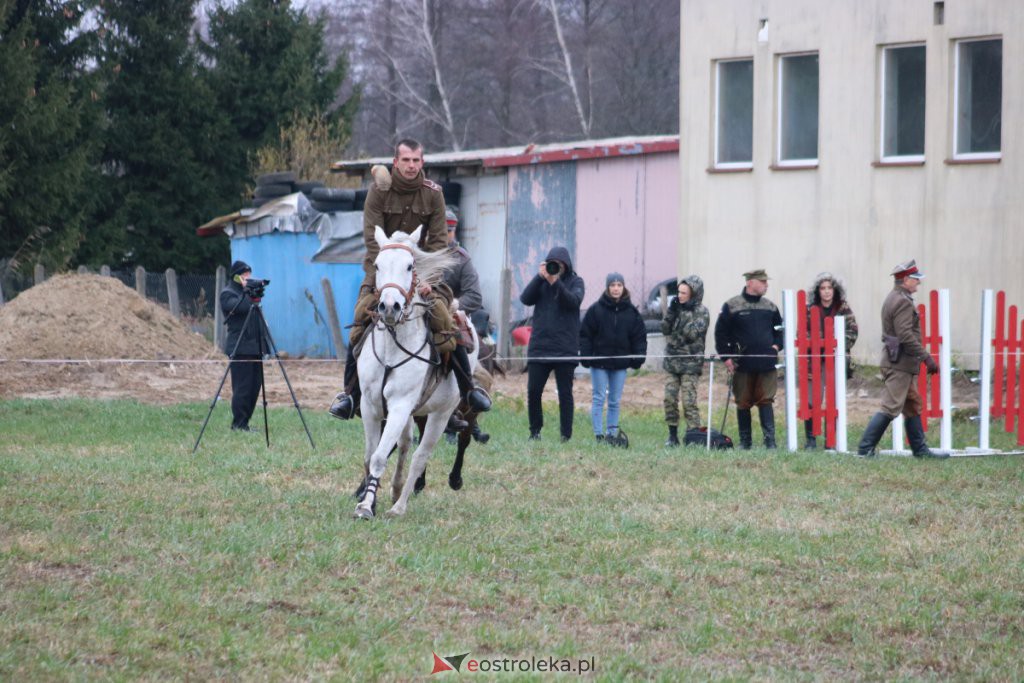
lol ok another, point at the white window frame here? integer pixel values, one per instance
(896, 158)
(717, 119)
(779, 161)
(956, 103)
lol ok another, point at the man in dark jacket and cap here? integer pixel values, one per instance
(748, 337)
(555, 293)
(901, 331)
(243, 346)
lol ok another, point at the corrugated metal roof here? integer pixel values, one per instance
(534, 154)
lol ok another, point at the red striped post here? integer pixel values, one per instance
(1012, 346)
(1020, 391)
(935, 337)
(802, 351)
(999, 351)
(830, 412)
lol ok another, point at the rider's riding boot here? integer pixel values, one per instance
(872, 435)
(346, 403)
(744, 424)
(480, 435)
(918, 444)
(767, 417)
(475, 397)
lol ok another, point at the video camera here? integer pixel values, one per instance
(254, 288)
(552, 267)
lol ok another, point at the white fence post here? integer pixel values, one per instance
(985, 372)
(945, 375)
(711, 390)
(840, 384)
(790, 319)
(897, 436)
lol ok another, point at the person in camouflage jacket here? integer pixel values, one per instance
(685, 328)
(828, 295)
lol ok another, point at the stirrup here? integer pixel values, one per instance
(343, 407)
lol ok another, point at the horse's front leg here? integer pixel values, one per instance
(431, 434)
(396, 422)
(404, 441)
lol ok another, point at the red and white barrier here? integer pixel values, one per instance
(1002, 364)
(816, 362)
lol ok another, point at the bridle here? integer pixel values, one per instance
(407, 294)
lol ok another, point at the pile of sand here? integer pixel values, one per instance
(92, 317)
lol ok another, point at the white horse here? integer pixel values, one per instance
(397, 375)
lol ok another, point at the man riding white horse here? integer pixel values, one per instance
(405, 200)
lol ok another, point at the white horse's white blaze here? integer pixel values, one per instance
(404, 383)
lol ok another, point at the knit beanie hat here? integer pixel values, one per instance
(614, 277)
(239, 267)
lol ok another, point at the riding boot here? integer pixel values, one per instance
(811, 442)
(918, 444)
(346, 403)
(673, 436)
(744, 423)
(767, 416)
(873, 434)
(475, 397)
(479, 435)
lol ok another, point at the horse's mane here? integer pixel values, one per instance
(430, 265)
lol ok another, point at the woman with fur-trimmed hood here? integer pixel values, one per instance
(828, 294)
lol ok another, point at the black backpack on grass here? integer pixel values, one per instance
(699, 437)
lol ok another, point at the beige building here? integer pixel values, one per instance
(850, 135)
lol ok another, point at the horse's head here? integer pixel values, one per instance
(396, 274)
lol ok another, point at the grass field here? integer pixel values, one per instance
(124, 557)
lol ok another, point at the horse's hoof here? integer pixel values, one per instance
(455, 482)
(362, 513)
(395, 512)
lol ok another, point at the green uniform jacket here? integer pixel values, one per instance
(394, 211)
(900, 319)
(685, 328)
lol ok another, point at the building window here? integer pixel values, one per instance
(798, 110)
(903, 80)
(734, 113)
(978, 90)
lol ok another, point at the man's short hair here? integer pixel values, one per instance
(408, 142)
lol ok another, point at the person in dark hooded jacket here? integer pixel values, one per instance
(555, 293)
(685, 328)
(612, 339)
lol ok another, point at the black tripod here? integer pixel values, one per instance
(256, 314)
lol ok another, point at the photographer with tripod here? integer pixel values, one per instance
(243, 344)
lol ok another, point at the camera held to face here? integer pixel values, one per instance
(254, 288)
(552, 267)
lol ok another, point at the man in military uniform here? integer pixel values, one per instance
(462, 279)
(685, 328)
(748, 336)
(901, 361)
(405, 200)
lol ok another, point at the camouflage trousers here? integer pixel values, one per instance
(687, 385)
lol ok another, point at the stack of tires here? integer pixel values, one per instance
(270, 186)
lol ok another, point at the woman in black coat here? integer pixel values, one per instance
(555, 293)
(612, 339)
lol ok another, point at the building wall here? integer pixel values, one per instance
(962, 222)
(285, 259)
(627, 213)
(541, 215)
